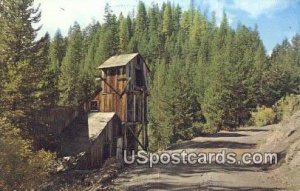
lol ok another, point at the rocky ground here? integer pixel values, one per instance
(80, 180)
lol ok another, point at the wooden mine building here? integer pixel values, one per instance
(113, 119)
(124, 83)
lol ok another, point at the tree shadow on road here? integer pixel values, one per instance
(170, 186)
(253, 130)
(225, 134)
(212, 144)
(188, 170)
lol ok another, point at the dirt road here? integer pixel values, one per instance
(207, 177)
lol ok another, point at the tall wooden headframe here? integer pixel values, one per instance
(124, 83)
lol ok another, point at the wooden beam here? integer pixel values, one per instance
(119, 94)
(134, 107)
(136, 138)
(109, 85)
(139, 132)
(123, 92)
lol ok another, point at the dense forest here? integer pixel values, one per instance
(204, 76)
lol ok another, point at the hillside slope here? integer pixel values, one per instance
(284, 139)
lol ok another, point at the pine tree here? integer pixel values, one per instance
(196, 36)
(17, 19)
(57, 52)
(154, 44)
(216, 93)
(160, 131)
(69, 84)
(47, 90)
(88, 34)
(90, 62)
(296, 62)
(260, 65)
(25, 63)
(282, 76)
(23, 93)
(108, 35)
(186, 22)
(141, 19)
(123, 34)
(88, 72)
(203, 75)
(130, 26)
(167, 20)
(176, 18)
(181, 101)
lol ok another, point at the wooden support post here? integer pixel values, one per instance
(139, 132)
(145, 133)
(143, 117)
(134, 108)
(136, 138)
(146, 138)
(125, 143)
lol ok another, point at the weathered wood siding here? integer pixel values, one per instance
(121, 93)
(112, 102)
(51, 124)
(124, 91)
(57, 118)
(105, 145)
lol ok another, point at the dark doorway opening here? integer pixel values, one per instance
(139, 77)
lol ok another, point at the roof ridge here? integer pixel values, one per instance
(118, 60)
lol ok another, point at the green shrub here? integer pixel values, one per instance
(286, 106)
(198, 128)
(210, 128)
(263, 116)
(21, 168)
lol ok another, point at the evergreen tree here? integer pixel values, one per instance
(130, 26)
(282, 76)
(108, 35)
(203, 75)
(154, 44)
(176, 18)
(56, 54)
(216, 93)
(141, 19)
(123, 34)
(69, 84)
(160, 131)
(195, 39)
(46, 93)
(181, 101)
(167, 20)
(24, 60)
(296, 62)
(23, 92)
(186, 22)
(88, 72)
(57, 51)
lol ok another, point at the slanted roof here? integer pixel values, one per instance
(97, 122)
(119, 60)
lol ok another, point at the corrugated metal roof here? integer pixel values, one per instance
(119, 60)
